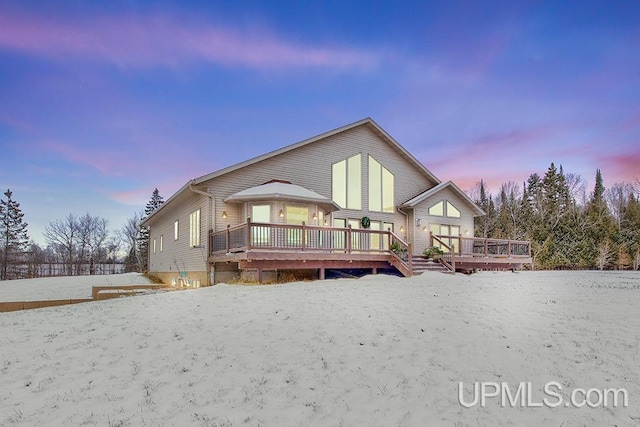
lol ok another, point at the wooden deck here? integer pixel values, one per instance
(475, 253)
(265, 246)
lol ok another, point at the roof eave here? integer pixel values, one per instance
(411, 203)
(325, 203)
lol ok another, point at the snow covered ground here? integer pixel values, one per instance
(75, 287)
(378, 351)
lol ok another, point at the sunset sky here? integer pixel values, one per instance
(101, 103)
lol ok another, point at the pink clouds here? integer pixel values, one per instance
(162, 41)
(137, 197)
(103, 160)
(501, 149)
(624, 167)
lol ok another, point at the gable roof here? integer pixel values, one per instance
(368, 121)
(434, 190)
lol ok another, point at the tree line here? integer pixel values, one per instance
(569, 228)
(75, 245)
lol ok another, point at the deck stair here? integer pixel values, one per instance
(420, 265)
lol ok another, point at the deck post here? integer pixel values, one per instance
(486, 247)
(249, 234)
(509, 248)
(303, 238)
(453, 262)
(228, 238)
(349, 239)
(259, 275)
(430, 238)
(410, 257)
(321, 274)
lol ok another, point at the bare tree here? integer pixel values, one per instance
(80, 241)
(577, 188)
(604, 255)
(84, 227)
(130, 235)
(617, 197)
(61, 234)
(96, 242)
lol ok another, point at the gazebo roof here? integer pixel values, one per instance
(285, 191)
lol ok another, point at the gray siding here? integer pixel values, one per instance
(308, 166)
(177, 255)
(421, 211)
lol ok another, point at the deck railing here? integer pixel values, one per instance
(286, 237)
(447, 258)
(481, 247)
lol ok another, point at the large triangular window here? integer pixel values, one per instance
(452, 212)
(381, 188)
(346, 182)
(444, 208)
(437, 209)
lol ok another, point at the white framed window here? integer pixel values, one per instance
(437, 209)
(381, 187)
(444, 208)
(161, 243)
(346, 182)
(296, 214)
(452, 211)
(261, 213)
(194, 228)
(261, 235)
(154, 246)
(175, 230)
(449, 234)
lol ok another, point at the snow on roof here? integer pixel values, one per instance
(280, 190)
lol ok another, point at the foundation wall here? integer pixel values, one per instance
(193, 279)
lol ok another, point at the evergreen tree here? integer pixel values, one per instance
(630, 230)
(602, 231)
(481, 223)
(556, 199)
(143, 243)
(13, 234)
(597, 204)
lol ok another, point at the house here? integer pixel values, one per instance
(350, 198)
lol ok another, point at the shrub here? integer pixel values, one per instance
(432, 253)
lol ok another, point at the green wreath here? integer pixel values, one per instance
(365, 222)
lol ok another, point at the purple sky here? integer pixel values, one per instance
(101, 103)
